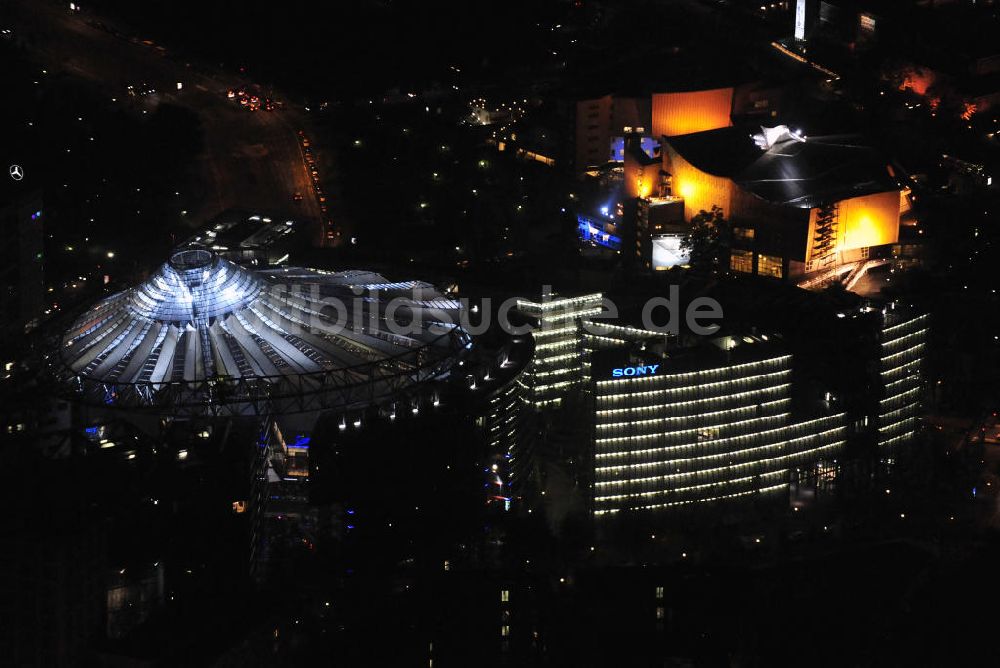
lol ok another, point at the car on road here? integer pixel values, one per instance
(297, 197)
(140, 90)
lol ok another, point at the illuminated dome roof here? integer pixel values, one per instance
(203, 330)
(194, 286)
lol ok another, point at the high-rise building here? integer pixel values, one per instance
(903, 339)
(681, 426)
(676, 422)
(505, 418)
(558, 362)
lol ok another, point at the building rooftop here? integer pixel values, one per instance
(201, 319)
(788, 169)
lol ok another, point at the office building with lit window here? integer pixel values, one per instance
(494, 390)
(679, 426)
(902, 344)
(557, 366)
(679, 422)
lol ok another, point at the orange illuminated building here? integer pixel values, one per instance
(682, 113)
(600, 121)
(796, 204)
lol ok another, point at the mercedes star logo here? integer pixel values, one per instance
(16, 172)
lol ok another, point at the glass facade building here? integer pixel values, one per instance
(687, 426)
(558, 363)
(903, 340)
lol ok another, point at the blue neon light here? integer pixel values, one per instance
(594, 233)
(648, 145)
(630, 371)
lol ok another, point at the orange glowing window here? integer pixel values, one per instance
(741, 261)
(769, 265)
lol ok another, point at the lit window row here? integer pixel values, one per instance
(770, 477)
(767, 437)
(703, 375)
(698, 432)
(753, 457)
(660, 506)
(687, 407)
(903, 341)
(914, 322)
(683, 420)
(640, 395)
(898, 355)
(903, 369)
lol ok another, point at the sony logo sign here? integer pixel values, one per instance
(642, 370)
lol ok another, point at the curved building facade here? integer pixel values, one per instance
(704, 425)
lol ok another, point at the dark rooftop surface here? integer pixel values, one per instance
(794, 172)
(724, 152)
